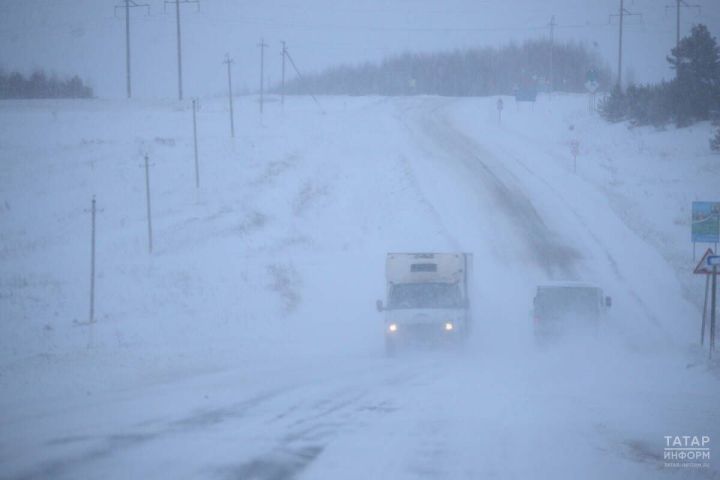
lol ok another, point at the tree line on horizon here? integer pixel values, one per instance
(15, 85)
(535, 64)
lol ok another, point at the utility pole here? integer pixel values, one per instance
(127, 5)
(622, 13)
(179, 49)
(713, 303)
(282, 81)
(262, 46)
(179, 40)
(229, 61)
(149, 210)
(93, 211)
(552, 53)
(195, 142)
(678, 5)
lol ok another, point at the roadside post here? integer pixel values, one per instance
(149, 210)
(713, 261)
(195, 141)
(574, 150)
(92, 261)
(591, 85)
(93, 214)
(702, 268)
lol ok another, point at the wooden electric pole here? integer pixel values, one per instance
(622, 13)
(262, 46)
(679, 4)
(229, 61)
(93, 212)
(179, 40)
(149, 210)
(127, 5)
(282, 81)
(195, 143)
(552, 53)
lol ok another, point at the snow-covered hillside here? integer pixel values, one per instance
(249, 335)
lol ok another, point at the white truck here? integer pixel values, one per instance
(427, 298)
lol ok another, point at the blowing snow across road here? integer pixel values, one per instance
(247, 347)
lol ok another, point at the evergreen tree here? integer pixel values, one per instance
(696, 89)
(38, 85)
(614, 107)
(715, 141)
(468, 72)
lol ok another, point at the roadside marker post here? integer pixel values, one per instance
(713, 301)
(703, 268)
(575, 151)
(149, 209)
(93, 214)
(195, 142)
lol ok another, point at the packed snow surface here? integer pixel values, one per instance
(247, 345)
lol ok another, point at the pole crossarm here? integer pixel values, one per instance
(626, 13)
(173, 2)
(684, 4)
(132, 4)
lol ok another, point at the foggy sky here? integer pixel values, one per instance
(87, 38)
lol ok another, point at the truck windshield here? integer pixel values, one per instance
(425, 295)
(561, 301)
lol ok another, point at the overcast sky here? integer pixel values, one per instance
(87, 38)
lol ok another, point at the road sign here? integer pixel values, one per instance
(702, 267)
(706, 222)
(713, 260)
(591, 75)
(574, 147)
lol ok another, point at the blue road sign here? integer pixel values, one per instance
(706, 222)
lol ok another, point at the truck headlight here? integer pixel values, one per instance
(449, 326)
(393, 327)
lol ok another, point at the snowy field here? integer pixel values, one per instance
(247, 345)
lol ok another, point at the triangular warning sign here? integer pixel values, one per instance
(702, 267)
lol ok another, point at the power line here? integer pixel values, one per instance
(292, 62)
(127, 6)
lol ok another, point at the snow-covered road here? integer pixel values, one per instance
(443, 416)
(310, 396)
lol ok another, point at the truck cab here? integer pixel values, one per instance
(564, 308)
(427, 299)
